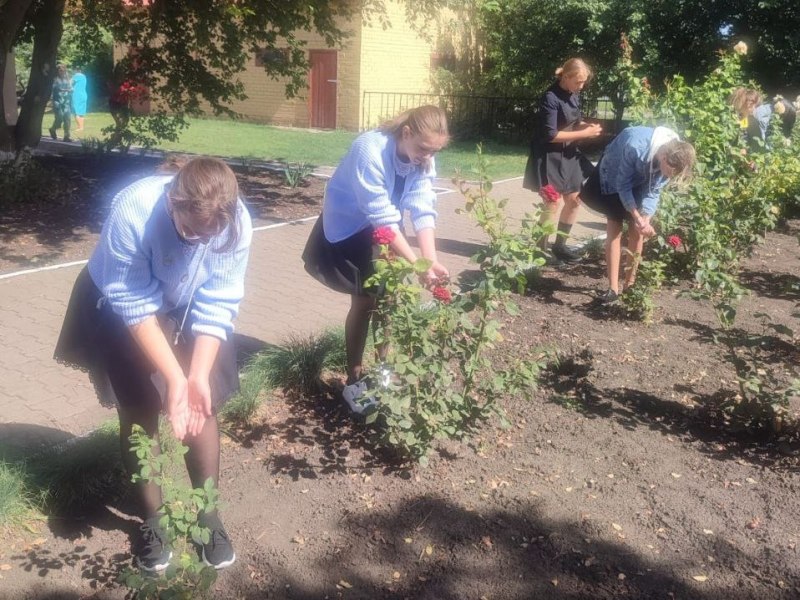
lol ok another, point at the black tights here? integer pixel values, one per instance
(202, 460)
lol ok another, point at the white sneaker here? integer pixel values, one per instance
(355, 396)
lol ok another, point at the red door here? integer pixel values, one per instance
(323, 84)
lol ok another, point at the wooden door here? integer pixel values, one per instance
(324, 84)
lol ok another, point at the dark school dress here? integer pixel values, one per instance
(346, 265)
(96, 340)
(609, 205)
(556, 163)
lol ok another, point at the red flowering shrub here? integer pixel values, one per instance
(674, 241)
(549, 193)
(383, 236)
(442, 294)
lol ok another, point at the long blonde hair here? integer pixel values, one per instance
(206, 188)
(572, 67)
(680, 156)
(741, 98)
(423, 120)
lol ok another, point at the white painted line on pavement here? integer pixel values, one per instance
(76, 263)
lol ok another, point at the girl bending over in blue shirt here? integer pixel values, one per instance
(627, 184)
(386, 172)
(151, 320)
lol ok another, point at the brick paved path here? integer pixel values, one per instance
(39, 397)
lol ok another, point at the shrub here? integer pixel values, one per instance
(295, 174)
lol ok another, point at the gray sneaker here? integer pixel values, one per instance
(358, 397)
(150, 551)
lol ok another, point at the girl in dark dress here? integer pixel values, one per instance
(555, 158)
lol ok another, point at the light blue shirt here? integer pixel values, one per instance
(143, 267)
(360, 191)
(627, 169)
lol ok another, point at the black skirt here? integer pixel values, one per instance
(564, 167)
(96, 340)
(342, 266)
(609, 205)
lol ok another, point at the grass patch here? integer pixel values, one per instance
(295, 366)
(237, 139)
(17, 501)
(80, 473)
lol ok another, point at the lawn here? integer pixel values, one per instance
(238, 139)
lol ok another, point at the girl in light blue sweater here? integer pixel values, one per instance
(385, 173)
(150, 320)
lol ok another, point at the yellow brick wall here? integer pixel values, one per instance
(371, 59)
(392, 60)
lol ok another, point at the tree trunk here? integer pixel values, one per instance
(12, 15)
(48, 27)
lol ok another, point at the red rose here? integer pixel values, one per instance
(549, 193)
(674, 241)
(383, 236)
(442, 294)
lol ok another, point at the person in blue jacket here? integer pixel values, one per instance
(626, 186)
(385, 173)
(150, 320)
(755, 116)
(79, 97)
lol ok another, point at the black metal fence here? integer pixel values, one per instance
(499, 118)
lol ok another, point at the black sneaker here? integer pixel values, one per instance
(565, 253)
(609, 298)
(218, 552)
(53, 134)
(151, 552)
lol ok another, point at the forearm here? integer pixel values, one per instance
(427, 243)
(402, 248)
(206, 348)
(150, 338)
(569, 136)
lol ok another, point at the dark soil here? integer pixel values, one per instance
(65, 228)
(621, 478)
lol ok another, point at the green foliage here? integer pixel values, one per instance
(638, 298)
(80, 473)
(295, 174)
(764, 394)
(17, 501)
(187, 576)
(295, 366)
(445, 383)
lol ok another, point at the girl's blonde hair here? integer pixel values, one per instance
(573, 67)
(680, 156)
(742, 97)
(205, 188)
(424, 120)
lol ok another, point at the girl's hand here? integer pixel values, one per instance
(437, 272)
(199, 404)
(178, 406)
(593, 130)
(644, 227)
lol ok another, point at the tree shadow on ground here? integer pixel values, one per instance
(771, 348)
(81, 200)
(431, 548)
(344, 440)
(705, 420)
(779, 286)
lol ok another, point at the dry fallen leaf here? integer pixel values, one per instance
(298, 540)
(700, 578)
(428, 550)
(408, 540)
(617, 526)
(708, 532)
(487, 541)
(5, 567)
(345, 584)
(676, 475)
(554, 582)
(754, 524)
(396, 575)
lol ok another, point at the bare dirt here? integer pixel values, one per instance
(66, 227)
(621, 478)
